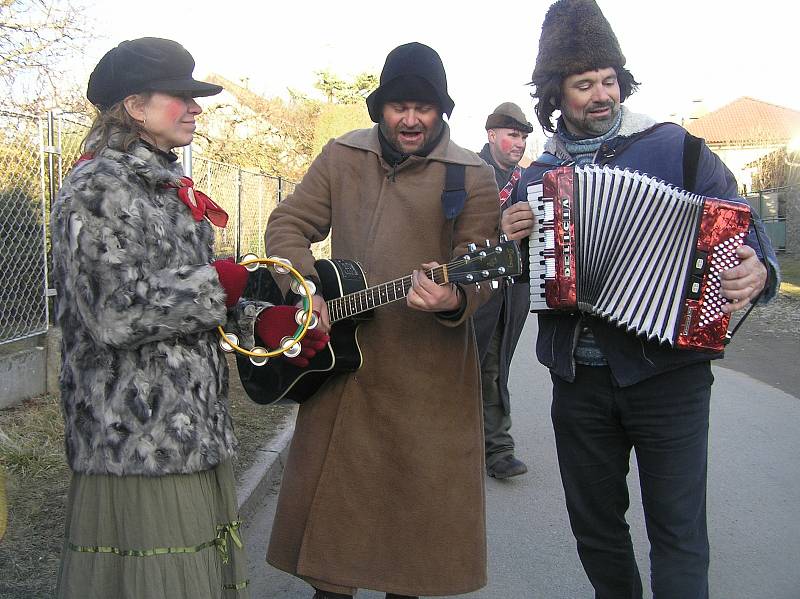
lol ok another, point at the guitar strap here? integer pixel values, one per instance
(454, 195)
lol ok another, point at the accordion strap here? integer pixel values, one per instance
(691, 156)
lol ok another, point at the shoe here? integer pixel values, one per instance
(507, 467)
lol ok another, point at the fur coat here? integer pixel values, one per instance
(143, 382)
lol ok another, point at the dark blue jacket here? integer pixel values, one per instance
(657, 151)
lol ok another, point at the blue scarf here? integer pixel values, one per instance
(583, 150)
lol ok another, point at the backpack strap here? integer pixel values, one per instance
(691, 156)
(454, 194)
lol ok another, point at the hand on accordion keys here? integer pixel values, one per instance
(517, 221)
(278, 322)
(742, 284)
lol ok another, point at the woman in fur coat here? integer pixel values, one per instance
(151, 509)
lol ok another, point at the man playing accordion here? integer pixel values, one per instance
(612, 390)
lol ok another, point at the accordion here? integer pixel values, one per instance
(635, 251)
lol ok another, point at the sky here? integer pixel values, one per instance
(680, 51)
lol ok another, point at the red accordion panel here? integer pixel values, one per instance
(560, 291)
(723, 228)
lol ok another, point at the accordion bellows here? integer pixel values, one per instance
(636, 251)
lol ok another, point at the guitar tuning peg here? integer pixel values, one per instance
(472, 247)
(503, 237)
(495, 284)
(488, 243)
(477, 287)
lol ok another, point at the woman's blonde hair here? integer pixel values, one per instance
(114, 128)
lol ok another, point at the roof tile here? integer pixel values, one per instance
(747, 121)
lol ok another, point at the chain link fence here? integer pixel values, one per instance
(247, 196)
(23, 269)
(36, 153)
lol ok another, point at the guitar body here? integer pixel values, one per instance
(278, 380)
(350, 301)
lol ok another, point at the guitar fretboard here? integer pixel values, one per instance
(379, 295)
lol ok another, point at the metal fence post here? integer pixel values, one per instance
(187, 160)
(238, 214)
(51, 151)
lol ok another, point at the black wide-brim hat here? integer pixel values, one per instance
(412, 71)
(141, 65)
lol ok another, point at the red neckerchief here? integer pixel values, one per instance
(199, 203)
(83, 158)
(505, 193)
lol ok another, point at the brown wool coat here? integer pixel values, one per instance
(383, 488)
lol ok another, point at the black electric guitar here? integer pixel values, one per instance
(350, 302)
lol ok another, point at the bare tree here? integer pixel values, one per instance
(35, 35)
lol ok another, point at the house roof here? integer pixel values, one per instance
(747, 121)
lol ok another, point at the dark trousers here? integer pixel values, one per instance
(496, 421)
(665, 420)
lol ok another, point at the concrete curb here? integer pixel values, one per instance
(267, 468)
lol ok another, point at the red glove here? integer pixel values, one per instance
(233, 278)
(277, 322)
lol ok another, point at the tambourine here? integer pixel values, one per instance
(305, 317)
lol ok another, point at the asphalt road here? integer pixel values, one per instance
(753, 498)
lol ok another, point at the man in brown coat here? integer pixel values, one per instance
(383, 487)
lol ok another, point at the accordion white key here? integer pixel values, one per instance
(635, 251)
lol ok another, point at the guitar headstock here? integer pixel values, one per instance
(492, 261)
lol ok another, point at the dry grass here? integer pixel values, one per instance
(32, 453)
(790, 273)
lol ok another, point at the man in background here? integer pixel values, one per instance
(499, 322)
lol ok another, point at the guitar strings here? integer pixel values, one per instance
(359, 301)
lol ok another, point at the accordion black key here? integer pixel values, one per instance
(631, 249)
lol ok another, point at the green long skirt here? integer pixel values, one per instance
(138, 537)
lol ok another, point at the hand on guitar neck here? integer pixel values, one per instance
(428, 296)
(424, 295)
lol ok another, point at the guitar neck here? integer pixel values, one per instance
(368, 299)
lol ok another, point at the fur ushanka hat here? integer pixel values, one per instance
(576, 37)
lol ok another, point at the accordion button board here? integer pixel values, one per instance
(631, 249)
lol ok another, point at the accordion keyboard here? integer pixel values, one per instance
(541, 245)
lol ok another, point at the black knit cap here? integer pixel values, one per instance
(576, 38)
(412, 71)
(141, 65)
